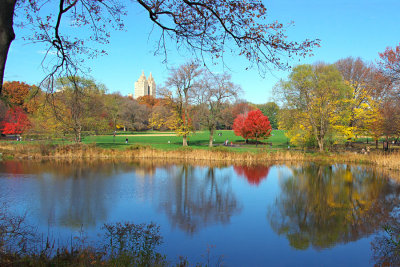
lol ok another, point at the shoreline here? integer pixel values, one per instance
(390, 161)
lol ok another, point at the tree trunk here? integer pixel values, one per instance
(79, 135)
(321, 145)
(376, 143)
(184, 140)
(7, 34)
(210, 144)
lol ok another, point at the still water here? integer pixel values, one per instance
(279, 215)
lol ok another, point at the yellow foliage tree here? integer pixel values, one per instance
(313, 103)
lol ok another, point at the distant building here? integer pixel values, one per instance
(145, 86)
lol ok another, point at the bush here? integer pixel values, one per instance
(45, 148)
(137, 147)
(131, 244)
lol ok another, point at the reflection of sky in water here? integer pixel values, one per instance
(200, 206)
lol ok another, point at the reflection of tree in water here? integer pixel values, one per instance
(386, 246)
(193, 199)
(323, 205)
(253, 174)
(71, 194)
(145, 168)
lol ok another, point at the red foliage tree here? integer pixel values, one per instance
(253, 126)
(239, 126)
(15, 122)
(253, 174)
(390, 63)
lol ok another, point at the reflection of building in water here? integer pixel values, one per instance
(253, 174)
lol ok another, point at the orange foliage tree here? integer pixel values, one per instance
(16, 92)
(148, 100)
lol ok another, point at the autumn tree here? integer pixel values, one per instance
(390, 114)
(227, 117)
(254, 125)
(43, 118)
(16, 92)
(390, 70)
(242, 107)
(78, 106)
(113, 104)
(362, 99)
(134, 115)
(313, 103)
(213, 92)
(390, 63)
(201, 27)
(3, 110)
(15, 122)
(258, 125)
(148, 100)
(179, 91)
(239, 127)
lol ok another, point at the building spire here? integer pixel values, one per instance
(150, 78)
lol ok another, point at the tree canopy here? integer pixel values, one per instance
(203, 27)
(313, 103)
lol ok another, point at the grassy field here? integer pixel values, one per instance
(168, 141)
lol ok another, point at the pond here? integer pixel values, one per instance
(279, 215)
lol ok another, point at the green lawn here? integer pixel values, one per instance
(196, 140)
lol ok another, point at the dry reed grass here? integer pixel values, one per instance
(389, 161)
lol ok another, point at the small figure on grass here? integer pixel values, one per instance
(126, 140)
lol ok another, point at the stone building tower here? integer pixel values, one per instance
(152, 86)
(145, 86)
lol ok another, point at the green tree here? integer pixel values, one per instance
(271, 110)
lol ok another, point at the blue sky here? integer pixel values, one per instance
(358, 28)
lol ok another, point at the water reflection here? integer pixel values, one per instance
(84, 193)
(310, 205)
(254, 174)
(194, 198)
(322, 205)
(67, 194)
